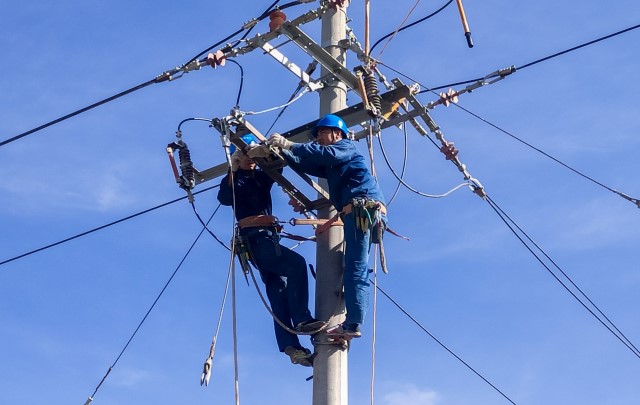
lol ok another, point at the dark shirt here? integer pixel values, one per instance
(253, 193)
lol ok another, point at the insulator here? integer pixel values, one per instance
(277, 18)
(371, 87)
(186, 166)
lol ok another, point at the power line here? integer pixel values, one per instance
(160, 78)
(441, 344)
(619, 335)
(151, 308)
(539, 60)
(102, 227)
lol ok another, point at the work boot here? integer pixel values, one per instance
(312, 325)
(300, 356)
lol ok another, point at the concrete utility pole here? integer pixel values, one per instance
(330, 377)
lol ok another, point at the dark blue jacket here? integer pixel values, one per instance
(342, 165)
(253, 193)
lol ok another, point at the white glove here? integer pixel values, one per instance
(235, 160)
(258, 151)
(280, 141)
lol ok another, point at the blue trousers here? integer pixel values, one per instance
(356, 269)
(284, 273)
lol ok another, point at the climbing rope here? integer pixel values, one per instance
(374, 327)
(398, 29)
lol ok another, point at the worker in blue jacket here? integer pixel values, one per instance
(283, 271)
(356, 195)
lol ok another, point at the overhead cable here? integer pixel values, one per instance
(149, 310)
(541, 59)
(410, 25)
(404, 311)
(609, 325)
(160, 78)
(432, 90)
(386, 159)
(102, 227)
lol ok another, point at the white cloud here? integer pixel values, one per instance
(409, 394)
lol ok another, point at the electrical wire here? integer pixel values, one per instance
(619, 193)
(207, 228)
(535, 62)
(410, 25)
(404, 164)
(157, 79)
(610, 326)
(151, 308)
(398, 29)
(306, 89)
(404, 311)
(386, 159)
(102, 227)
(241, 81)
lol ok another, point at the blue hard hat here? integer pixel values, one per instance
(331, 121)
(248, 139)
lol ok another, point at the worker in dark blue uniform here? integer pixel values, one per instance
(356, 195)
(283, 271)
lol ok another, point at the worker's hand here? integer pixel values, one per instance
(279, 141)
(235, 160)
(258, 151)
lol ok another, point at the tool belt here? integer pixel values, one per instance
(368, 215)
(258, 220)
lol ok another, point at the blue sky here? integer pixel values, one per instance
(66, 312)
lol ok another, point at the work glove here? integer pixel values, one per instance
(258, 151)
(235, 160)
(297, 205)
(279, 141)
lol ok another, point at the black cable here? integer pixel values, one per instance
(102, 227)
(207, 228)
(547, 155)
(540, 60)
(579, 46)
(623, 195)
(213, 46)
(502, 216)
(241, 81)
(440, 343)
(410, 25)
(80, 111)
(153, 305)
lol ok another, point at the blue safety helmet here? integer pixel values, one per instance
(331, 121)
(248, 139)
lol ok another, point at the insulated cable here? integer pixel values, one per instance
(541, 59)
(404, 311)
(432, 90)
(404, 164)
(101, 227)
(149, 311)
(386, 159)
(399, 27)
(410, 25)
(619, 335)
(160, 78)
(207, 227)
(241, 81)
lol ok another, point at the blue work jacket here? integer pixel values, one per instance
(253, 193)
(342, 165)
